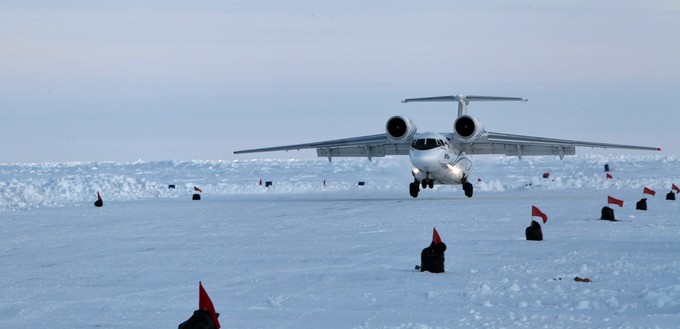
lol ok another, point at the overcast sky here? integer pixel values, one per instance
(182, 80)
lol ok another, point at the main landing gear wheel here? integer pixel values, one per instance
(468, 188)
(413, 189)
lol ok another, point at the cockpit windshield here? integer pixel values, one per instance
(424, 144)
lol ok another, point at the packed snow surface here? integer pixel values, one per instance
(304, 254)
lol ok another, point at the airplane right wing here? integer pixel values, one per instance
(519, 145)
(378, 145)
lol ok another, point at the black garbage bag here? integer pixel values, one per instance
(670, 196)
(534, 232)
(641, 205)
(432, 258)
(607, 214)
(199, 320)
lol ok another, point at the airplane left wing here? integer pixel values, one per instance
(378, 145)
(519, 145)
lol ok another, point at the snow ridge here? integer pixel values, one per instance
(27, 186)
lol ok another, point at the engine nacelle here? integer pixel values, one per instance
(468, 128)
(399, 128)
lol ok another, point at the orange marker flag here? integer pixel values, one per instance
(205, 304)
(99, 202)
(535, 212)
(615, 201)
(648, 191)
(435, 236)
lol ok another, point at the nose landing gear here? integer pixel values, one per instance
(428, 182)
(414, 187)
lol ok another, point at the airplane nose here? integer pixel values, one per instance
(425, 160)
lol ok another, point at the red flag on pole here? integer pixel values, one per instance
(205, 304)
(615, 201)
(609, 176)
(675, 188)
(435, 236)
(197, 189)
(648, 191)
(535, 212)
(260, 181)
(99, 202)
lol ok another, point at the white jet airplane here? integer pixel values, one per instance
(441, 158)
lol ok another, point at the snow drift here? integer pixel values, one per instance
(25, 186)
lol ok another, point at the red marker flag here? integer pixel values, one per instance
(205, 304)
(435, 236)
(675, 188)
(615, 201)
(535, 212)
(197, 189)
(99, 197)
(260, 181)
(648, 191)
(609, 176)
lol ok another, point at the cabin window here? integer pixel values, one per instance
(426, 144)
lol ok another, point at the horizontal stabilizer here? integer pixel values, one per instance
(463, 101)
(457, 98)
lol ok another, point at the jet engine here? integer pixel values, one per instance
(467, 128)
(399, 128)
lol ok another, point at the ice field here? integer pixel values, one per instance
(303, 255)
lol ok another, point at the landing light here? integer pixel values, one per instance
(454, 169)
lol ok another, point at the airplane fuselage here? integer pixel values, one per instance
(436, 160)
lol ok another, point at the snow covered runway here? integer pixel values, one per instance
(344, 258)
